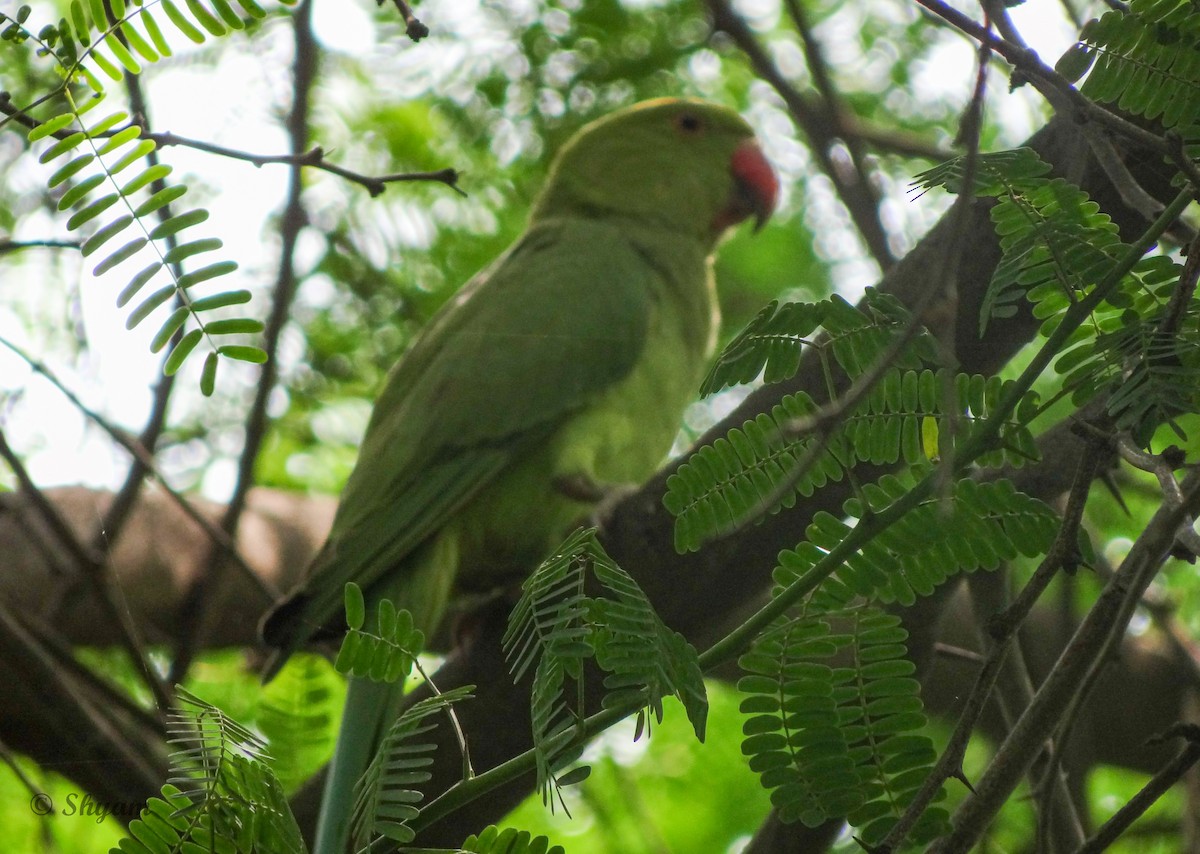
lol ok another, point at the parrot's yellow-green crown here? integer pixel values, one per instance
(683, 164)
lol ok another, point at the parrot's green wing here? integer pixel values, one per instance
(556, 321)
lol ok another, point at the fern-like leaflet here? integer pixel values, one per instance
(385, 655)
(908, 416)
(1057, 247)
(556, 627)
(386, 795)
(772, 343)
(834, 718)
(221, 794)
(92, 155)
(977, 525)
(1143, 61)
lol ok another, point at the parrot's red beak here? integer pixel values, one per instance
(756, 188)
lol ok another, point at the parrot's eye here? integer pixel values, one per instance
(689, 123)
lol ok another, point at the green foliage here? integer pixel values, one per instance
(509, 841)
(762, 466)
(773, 342)
(297, 711)
(385, 798)
(92, 154)
(556, 627)
(221, 795)
(384, 657)
(838, 741)
(834, 717)
(1145, 62)
(1058, 246)
(977, 525)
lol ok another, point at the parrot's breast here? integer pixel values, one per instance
(619, 438)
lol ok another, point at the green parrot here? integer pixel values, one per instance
(562, 369)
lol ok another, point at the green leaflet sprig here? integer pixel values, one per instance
(907, 416)
(838, 741)
(556, 627)
(1058, 246)
(92, 155)
(221, 794)
(845, 741)
(772, 343)
(387, 655)
(385, 797)
(1143, 61)
(977, 525)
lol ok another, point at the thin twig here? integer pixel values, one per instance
(1164, 470)
(413, 28)
(7, 246)
(1057, 816)
(1158, 785)
(1181, 297)
(314, 158)
(459, 735)
(831, 101)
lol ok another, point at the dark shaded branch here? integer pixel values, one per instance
(114, 751)
(92, 568)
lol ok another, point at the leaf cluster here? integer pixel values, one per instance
(111, 184)
(1143, 60)
(384, 655)
(1138, 347)
(558, 627)
(221, 795)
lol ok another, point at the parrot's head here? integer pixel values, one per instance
(683, 164)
